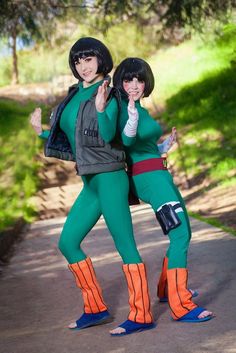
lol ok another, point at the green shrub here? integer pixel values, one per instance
(18, 166)
(200, 102)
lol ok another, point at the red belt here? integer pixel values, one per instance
(148, 165)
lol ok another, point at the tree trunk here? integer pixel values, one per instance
(15, 76)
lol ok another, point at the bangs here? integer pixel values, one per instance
(130, 75)
(83, 54)
(134, 70)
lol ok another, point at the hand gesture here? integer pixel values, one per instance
(168, 142)
(132, 110)
(131, 105)
(36, 120)
(101, 97)
(173, 137)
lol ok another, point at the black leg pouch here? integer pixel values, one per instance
(168, 218)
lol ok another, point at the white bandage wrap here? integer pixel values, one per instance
(165, 145)
(130, 129)
(172, 203)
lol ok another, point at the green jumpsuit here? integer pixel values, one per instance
(156, 187)
(102, 194)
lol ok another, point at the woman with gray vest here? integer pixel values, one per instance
(84, 130)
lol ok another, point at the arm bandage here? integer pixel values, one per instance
(130, 129)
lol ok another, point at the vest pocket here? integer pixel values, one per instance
(91, 136)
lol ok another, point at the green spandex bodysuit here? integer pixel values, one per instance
(103, 193)
(156, 187)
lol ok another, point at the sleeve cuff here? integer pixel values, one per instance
(101, 114)
(44, 134)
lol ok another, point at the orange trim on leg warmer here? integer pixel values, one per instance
(91, 291)
(139, 299)
(179, 297)
(162, 283)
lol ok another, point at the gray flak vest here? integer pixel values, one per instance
(93, 154)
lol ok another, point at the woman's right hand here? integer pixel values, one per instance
(101, 97)
(132, 110)
(36, 121)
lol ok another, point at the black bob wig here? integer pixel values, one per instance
(131, 68)
(89, 46)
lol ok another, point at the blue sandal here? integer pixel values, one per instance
(192, 316)
(88, 320)
(132, 327)
(165, 299)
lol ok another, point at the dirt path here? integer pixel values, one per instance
(39, 297)
(218, 203)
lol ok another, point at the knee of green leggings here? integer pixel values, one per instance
(71, 254)
(62, 246)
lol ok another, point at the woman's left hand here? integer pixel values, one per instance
(101, 97)
(172, 137)
(168, 142)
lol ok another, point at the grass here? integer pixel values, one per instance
(197, 86)
(18, 165)
(213, 221)
(190, 62)
(206, 112)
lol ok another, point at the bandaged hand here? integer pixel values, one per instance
(132, 110)
(165, 146)
(130, 129)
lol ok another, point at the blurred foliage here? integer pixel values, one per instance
(18, 165)
(202, 105)
(32, 62)
(30, 21)
(169, 14)
(27, 20)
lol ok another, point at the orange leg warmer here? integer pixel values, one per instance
(139, 299)
(86, 280)
(162, 284)
(179, 297)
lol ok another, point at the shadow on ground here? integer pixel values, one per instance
(39, 297)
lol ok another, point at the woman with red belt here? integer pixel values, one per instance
(153, 184)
